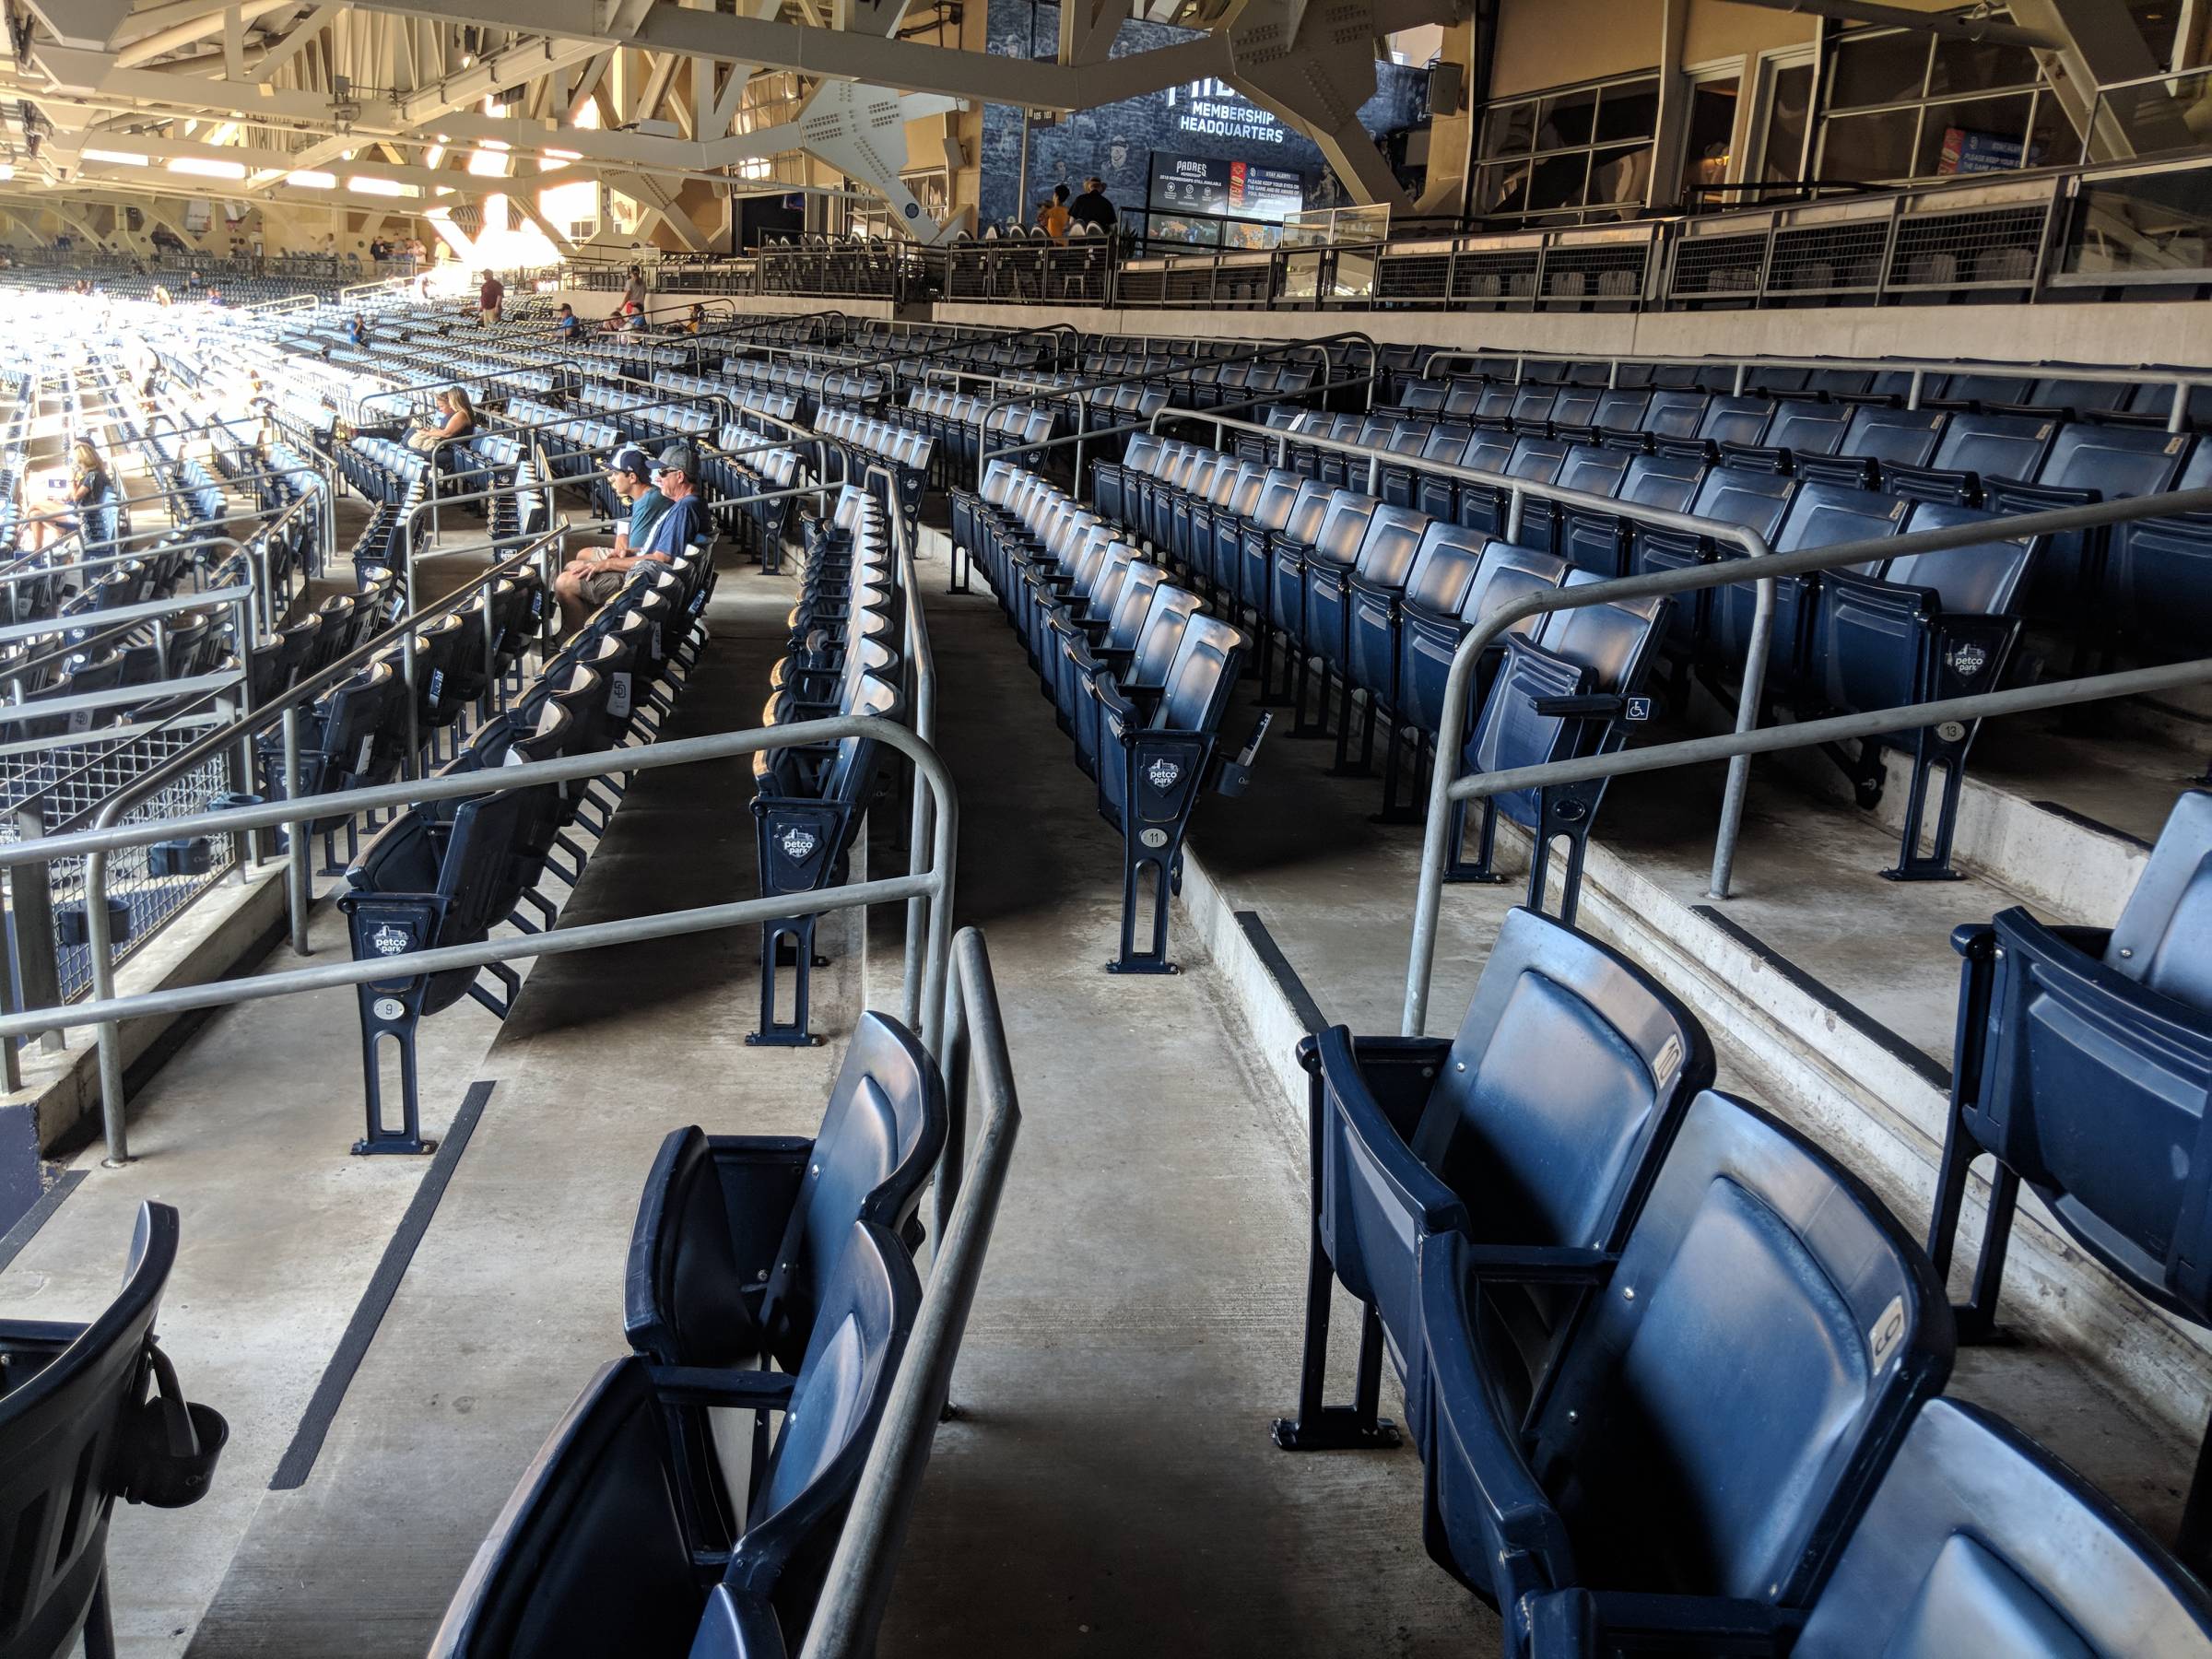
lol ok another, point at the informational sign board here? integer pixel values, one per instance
(1200, 184)
(1967, 151)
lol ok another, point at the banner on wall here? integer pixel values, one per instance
(1200, 184)
(1967, 151)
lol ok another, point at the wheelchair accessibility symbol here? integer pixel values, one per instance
(1640, 707)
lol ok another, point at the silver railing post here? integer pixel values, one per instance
(299, 895)
(30, 896)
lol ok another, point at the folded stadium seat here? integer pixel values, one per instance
(1216, 534)
(353, 737)
(1977, 1541)
(1568, 689)
(1716, 1422)
(1532, 407)
(1072, 630)
(1612, 544)
(1151, 616)
(1574, 411)
(806, 822)
(426, 880)
(1914, 628)
(1463, 396)
(1819, 515)
(2084, 1061)
(1422, 398)
(1327, 525)
(1801, 429)
(1975, 446)
(1429, 633)
(1156, 752)
(1840, 383)
(1673, 413)
(2152, 402)
(2078, 399)
(1478, 505)
(93, 1413)
(1407, 438)
(1774, 381)
(1535, 1132)
(1351, 621)
(1433, 493)
(1977, 390)
(1593, 469)
(1085, 547)
(1734, 424)
(1875, 437)
(2085, 464)
(2157, 574)
(597, 1551)
(1621, 413)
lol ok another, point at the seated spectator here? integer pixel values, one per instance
(568, 325)
(654, 532)
(91, 495)
(357, 331)
(696, 321)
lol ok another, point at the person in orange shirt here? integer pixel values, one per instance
(1052, 213)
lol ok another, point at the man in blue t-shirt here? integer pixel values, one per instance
(590, 578)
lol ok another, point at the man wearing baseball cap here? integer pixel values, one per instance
(685, 523)
(594, 575)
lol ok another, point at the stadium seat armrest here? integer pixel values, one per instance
(1561, 1624)
(1594, 705)
(722, 1385)
(29, 1346)
(1683, 1624)
(1540, 1265)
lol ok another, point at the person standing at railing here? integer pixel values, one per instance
(633, 289)
(1092, 207)
(1052, 213)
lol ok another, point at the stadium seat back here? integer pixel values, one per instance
(1978, 1542)
(1722, 1414)
(2163, 940)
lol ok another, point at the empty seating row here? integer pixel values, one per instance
(1673, 1374)
(767, 1276)
(862, 441)
(447, 872)
(1140, 677)
(844, 655)
(1376, 590)
(964, 427)
(747, 470)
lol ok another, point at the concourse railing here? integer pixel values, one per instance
(1447, 787)
(923, 997)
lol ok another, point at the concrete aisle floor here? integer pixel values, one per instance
(1109, 1487)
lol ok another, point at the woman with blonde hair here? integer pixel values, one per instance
(91, 504)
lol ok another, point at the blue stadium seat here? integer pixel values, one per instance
(1920, 627)
(1568, 690)
(597, 1551)
(2084, 1067)
(92, 1413)
(1535, 1132)
(1977, 1541)
(1594, 469)
(2158, 573)
(1157, 751)
(1716, 1421)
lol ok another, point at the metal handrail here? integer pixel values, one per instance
(1738, 747)
(858, 1583)
(251, 722)
(106, 1010)
(1270, 349)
